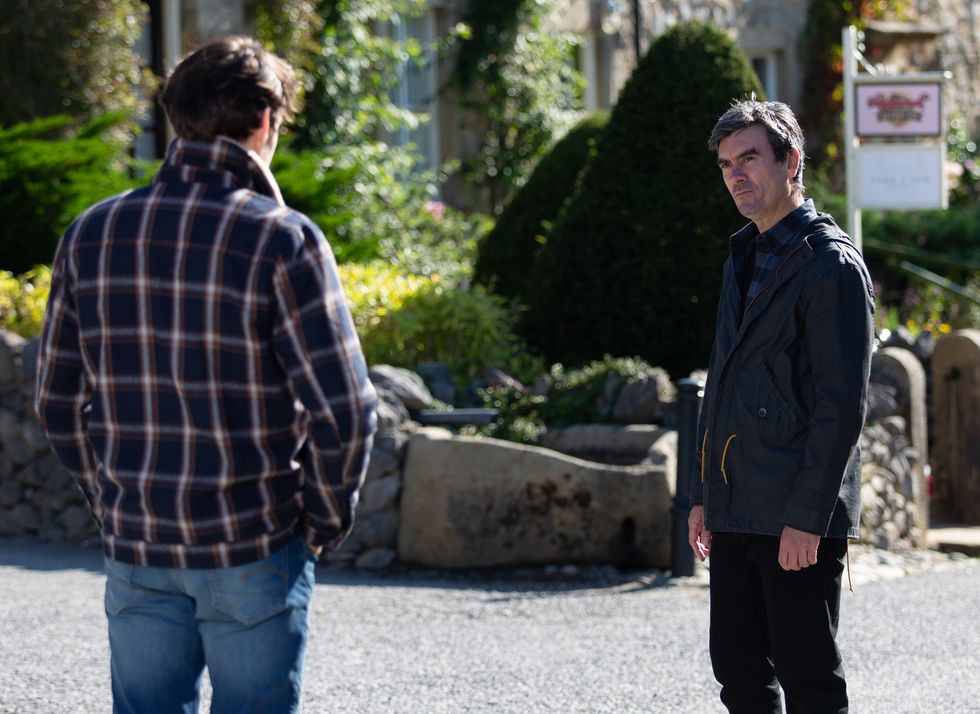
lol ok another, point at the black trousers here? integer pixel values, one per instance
(772, 627)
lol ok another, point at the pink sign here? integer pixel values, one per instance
(913, 109)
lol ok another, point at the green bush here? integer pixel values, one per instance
(633, 266)
(360, 197)
(46, 181)
(579, 396)
(404, 320)
(506, 255)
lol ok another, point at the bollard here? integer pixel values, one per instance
(689, 395)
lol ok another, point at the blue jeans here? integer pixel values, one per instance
(249, 624)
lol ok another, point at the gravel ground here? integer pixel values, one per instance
(539, 640)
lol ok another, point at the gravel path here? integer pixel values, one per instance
(593, 640)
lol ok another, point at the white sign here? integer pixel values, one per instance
(896, 176)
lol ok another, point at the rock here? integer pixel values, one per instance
(10, 493)
(20, 519)
(901, 336)
(404, 384)
(11, 347)
(880, 453)
(612, 444)
(901, 521)
(542, 384)
(28, 360)
(471, 502)
(882, 401)
(391, 412)
(641, 401)
(924, 346)
(392, 441)
(78, 524)
(439, 380)
(34, 439)
(377, 529)
(375, 559)
(381, 464)
(610, 391)
(894, 425)
(380, 494)
(339, 557)
(50, 533)
(498, 378)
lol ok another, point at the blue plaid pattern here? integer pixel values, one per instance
(199, 373)
(769, 248)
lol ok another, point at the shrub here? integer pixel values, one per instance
(23, 299)
(360, 198)
(45, 182)
(505, 256)
(404, 320)
(633, 266)
(579, 396)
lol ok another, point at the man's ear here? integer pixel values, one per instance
(793, 163)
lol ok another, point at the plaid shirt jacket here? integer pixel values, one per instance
(199, 374)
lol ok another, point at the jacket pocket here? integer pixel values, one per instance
(775, 407)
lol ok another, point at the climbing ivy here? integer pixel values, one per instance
(516, 81)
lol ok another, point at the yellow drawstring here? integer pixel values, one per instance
(847, 556)
(704, 443)
(724, 453)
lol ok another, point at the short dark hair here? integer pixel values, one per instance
(224, 87)
(781, 126)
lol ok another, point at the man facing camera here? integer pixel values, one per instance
(785, 399)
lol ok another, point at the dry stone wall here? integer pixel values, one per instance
(38, 497)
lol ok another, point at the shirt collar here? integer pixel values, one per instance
(223, 162)
(781, 235)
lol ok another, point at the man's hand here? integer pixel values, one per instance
(698, 537)
(797, 549)
(316, 550)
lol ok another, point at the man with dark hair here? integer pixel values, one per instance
(200, 377)
(785, 400)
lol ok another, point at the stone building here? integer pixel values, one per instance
(941, 34)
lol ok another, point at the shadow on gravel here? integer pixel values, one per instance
(527, 580)
(32, 554)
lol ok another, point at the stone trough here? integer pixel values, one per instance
(474, 502)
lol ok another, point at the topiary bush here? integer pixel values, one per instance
(506, 255)
(633, 265)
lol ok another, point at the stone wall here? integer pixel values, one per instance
(39, 498)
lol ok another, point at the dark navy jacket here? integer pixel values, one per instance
(786, 394)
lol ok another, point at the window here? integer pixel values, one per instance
(418, 89)
(766, 68)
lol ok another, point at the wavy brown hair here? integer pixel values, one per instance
(224, 87)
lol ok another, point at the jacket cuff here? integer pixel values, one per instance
(806, 519)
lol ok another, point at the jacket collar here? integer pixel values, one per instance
(222, 162)
(781, 237)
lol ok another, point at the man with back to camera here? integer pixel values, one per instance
(785, 400)
(200, 377)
